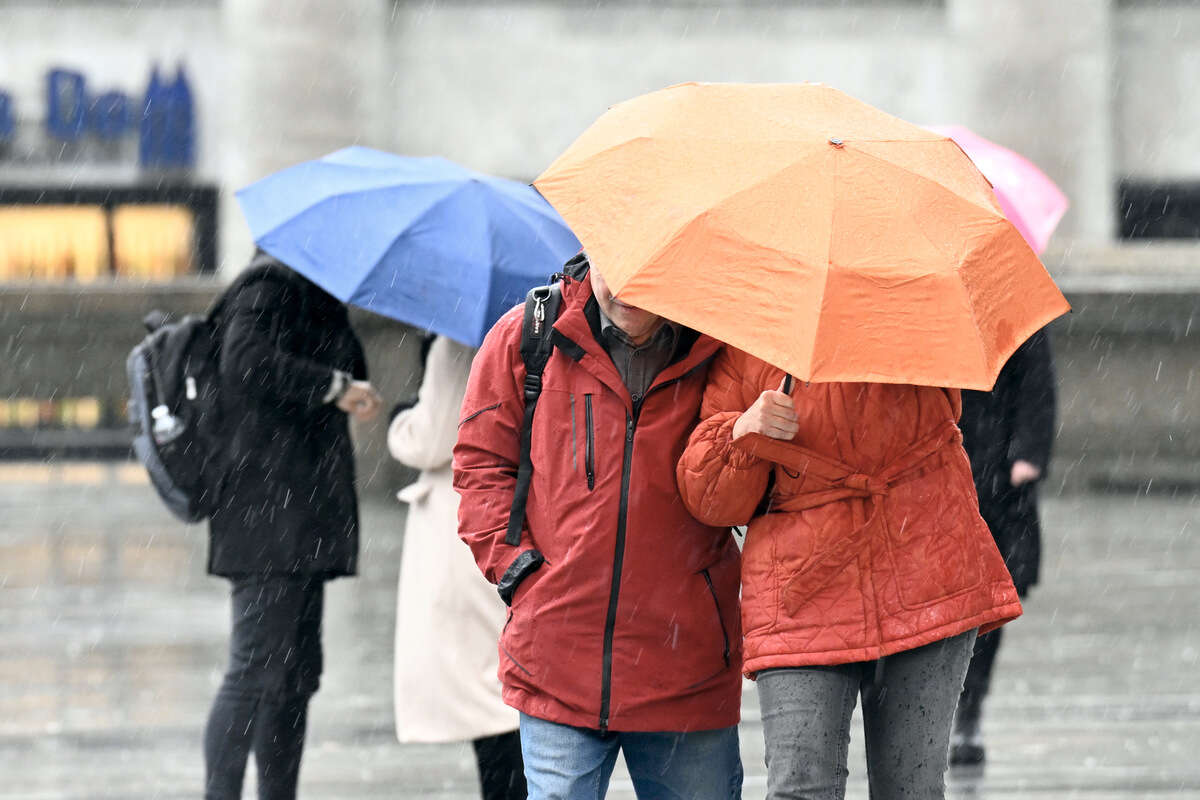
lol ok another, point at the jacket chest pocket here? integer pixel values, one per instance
(568, 441)
(589, 452)
(567, 444)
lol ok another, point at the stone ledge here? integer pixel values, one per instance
(1126, 266)
(127, 299)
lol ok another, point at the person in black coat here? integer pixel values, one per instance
(292, 370)
(1008, 433)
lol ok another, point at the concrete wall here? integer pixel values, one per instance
(1156, 106)
(505, 87)
(72, 342)
(1128, 374)
(115, 44)
(305, 77)
(1129, 390)
(1092, 90)
(1036, 76)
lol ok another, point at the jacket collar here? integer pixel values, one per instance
(577, 333)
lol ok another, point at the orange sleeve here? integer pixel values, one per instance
(721, 484)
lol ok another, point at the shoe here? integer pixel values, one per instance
(966, 741)
(966, 753)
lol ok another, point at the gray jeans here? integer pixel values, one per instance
(907, 716)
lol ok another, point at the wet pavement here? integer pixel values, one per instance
(112, 643)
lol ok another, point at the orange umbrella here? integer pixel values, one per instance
(807, 228)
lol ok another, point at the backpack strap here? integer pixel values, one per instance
(541, 309)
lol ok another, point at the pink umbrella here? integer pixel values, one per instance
(1029, 199)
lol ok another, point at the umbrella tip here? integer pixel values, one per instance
(835, 141)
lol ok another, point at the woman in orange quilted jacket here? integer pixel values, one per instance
(866, 570)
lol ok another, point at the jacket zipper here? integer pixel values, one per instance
(720, 619)
(614, 594)
(610, 621)
(590, 457)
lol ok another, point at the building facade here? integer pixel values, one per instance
(1097, 92)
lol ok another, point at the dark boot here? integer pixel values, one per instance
(501, 768)
(966, 740)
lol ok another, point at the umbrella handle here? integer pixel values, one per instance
(787, 384)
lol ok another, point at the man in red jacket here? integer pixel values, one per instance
(623, 631)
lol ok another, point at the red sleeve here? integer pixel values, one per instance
(487, 452)
(722, 484)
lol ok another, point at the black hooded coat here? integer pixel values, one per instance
(1015, 421)
(287, 502)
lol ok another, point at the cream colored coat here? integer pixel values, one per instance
(448, 618)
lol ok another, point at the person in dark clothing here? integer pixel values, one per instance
(1008, 433)
(292, 370)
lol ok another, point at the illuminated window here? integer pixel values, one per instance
(53, 243)
(152, 242)
(95, 233)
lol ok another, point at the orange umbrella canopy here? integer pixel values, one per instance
(805, 227)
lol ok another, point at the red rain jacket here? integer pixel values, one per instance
(632, 623)
(873, 543)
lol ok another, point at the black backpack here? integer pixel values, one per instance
(541, 310)
(175, 405)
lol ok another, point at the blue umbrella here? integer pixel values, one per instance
(421, 240)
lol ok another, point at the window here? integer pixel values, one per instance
(86, 235)
(1159, 210)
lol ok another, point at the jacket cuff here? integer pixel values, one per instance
(524, 565)
(338, 384)
(736, 454)
(1034, 456)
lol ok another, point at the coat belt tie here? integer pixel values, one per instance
(826, 480)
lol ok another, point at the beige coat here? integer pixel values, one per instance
(448, 618)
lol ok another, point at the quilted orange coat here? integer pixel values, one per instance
(872, 543)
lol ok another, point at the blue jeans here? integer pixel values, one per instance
(567, 763)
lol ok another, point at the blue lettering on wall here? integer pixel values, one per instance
(8, 118)
(168, 137)
(109, 116)
(66, 104)
(163, 118)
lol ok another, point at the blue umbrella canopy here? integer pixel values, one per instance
(421, 240)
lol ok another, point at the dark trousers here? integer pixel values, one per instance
(501, 770)
(275, 664)
(978, 681)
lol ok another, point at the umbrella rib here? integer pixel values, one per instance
(962, 287)
(975, 326)
(812, 356)
(667, 239)
(425, 213)
(927, 179)
(934, 138)
(353, 192)
(533, 200)
(534, 233)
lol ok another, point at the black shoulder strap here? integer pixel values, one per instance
(541, 309)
